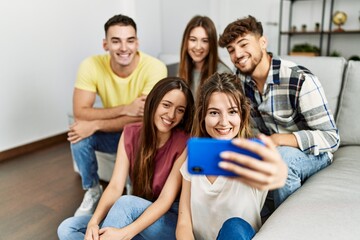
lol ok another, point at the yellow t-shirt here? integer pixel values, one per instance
(95, 75)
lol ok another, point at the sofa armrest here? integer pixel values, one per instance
(327, 206)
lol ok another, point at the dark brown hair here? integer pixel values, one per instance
(239, 28)
(121, 20)
(186, 65)
(230, 85)
(143, 170)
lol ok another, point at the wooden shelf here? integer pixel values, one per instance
(319, 32)
(323, 35)
(345, 32)
(301, 33)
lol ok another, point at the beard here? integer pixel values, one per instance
(254, 62)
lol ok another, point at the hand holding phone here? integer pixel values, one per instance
(204, 155)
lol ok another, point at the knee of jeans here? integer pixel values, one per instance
(81, 144)
(288, 152)
(123, 203)
(64, 228)
(291, 156)
(237, 223)
(125, 200)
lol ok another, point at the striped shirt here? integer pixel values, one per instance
(293, 101)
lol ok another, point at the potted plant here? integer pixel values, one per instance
(303, 27)
(305, 49)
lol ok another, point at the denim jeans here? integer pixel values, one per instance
(83, 153)
(236, 229)
(124, 211)
(301, 166)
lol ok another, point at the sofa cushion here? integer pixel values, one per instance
(325, 207)
(349, 109)
(329, 71)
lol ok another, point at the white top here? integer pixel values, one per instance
(213, 204)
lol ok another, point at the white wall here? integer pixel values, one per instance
(42, 43)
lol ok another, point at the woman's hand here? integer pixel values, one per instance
(110, 233)
(92, 232)
(266, 174)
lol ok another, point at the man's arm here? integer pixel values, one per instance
(284, 139)
(88, 119)
(83, 102)
(321, 134)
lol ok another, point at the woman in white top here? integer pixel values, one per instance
(199, 56)
(223, 207)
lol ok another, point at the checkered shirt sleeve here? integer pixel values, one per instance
(293, 101)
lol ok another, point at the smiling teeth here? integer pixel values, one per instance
(223, 131)
(242, 60)
(167, 121)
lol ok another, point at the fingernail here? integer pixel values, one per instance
(222, 164)
(224, 155)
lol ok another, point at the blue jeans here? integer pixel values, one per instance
(236, 229)
(83, 153)
(124, 211)
(301, 166)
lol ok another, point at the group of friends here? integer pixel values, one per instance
(148, 118)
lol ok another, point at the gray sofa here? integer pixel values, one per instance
(327, 206)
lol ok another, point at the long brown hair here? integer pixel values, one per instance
(186, 65)
(143, 170)
(230, 85)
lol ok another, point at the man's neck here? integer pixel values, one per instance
(261, 72)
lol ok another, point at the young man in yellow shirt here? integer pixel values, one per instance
(122, 79)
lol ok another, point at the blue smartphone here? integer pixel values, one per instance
(204, 155)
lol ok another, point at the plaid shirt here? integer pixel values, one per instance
(293, 101)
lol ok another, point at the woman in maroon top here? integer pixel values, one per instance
(151, 153)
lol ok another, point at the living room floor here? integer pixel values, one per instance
(38, 191)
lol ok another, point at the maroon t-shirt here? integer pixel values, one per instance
(164, 158)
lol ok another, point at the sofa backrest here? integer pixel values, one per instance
(330, 72)
(349, 106)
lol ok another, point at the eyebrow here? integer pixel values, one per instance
(119, 39)
(230, 108)
(242, 39)
(172, 103)
(191, 36)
